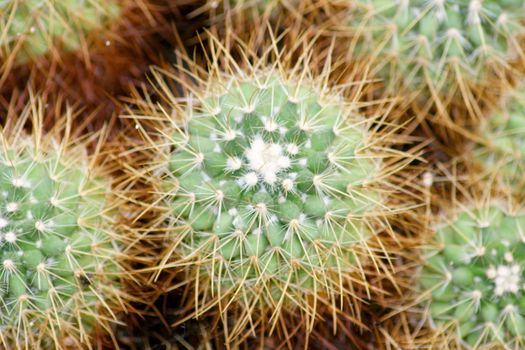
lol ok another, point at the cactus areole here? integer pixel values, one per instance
(477, 277)
(269, 179)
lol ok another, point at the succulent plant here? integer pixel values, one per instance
(58, 273)
(441, 42)
(503, 147)
(266, 174)
(31, 28)
(476, 275)
(272, 192)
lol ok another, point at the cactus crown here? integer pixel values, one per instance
(477, 276)
(505, 144)
(32, 27)
(56, 256)
(431, 39)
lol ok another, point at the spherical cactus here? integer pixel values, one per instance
(58, 268)
(503, 146)
(441, 42)
(266, 175)
(31, 28)
(476, 276)
(273, 190)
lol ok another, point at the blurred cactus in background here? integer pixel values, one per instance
(439, 43)
(502, 144)
(31, 28)
(476, 276)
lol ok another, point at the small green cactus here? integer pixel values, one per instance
(267, 173)
(476, 275)
(503, 145)
(274, 190)
(57, 257)
(31, 28)
(434, 41)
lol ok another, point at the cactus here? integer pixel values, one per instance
(267, 174)
(271, 191)
(441, 43)
(31, 28)
(264, 171)
(476, 276)
(57, 256)
(503, 146)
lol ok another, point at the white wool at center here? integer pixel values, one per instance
(266, 159)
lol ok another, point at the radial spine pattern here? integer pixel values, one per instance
(269, 172)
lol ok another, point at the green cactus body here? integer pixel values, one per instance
(504, 143)
(56, 257)
(477, 277)
(33, 27)
(273, 187)
(434, 40)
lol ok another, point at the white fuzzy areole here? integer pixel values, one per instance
(266, 159)
(10, 237)
(11, 207)
(233, 163)
(507, 279)
(474, 10)
(251, 179)
(9, 265)
(20, 182)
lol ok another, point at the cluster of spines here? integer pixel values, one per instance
(474, 277)
(58, 274)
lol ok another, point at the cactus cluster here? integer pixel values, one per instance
(282, 179)
(476, 274)
(32, 28)
(439, 42)
(271, 186)
(56, 255)
(504, 142)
